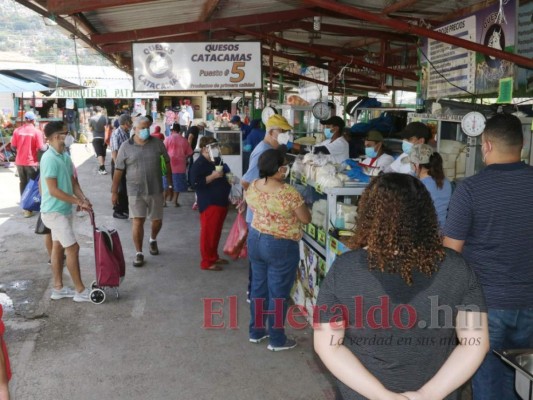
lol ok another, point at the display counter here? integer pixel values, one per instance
(333, 210)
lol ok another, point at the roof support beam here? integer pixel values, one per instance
(399, 5)
(162, 32)
(319, 82)
(325, 53)
(209, 8)
(405, 27)
(373, 33)
(69, 7)
(326, 64)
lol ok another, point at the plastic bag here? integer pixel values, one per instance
(235, 194)
(31, 198)
(235, 245)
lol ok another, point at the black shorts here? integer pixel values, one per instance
(99, 147)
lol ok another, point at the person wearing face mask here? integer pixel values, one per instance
(413, 133)
(335, 145)
(276, 134)
(119, 136)
(140, 159)
(377, 159)
(490, 221)
(426, 165)
(279, 210)
(212, 195)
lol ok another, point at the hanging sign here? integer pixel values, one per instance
(197, 66)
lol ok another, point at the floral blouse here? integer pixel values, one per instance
(274, 212)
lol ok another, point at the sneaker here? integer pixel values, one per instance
(62, 293)
(153, 248)
(102, 172)
(119, 215)
(83, 296)
(139, 260)
(258, 340)
(27, 214)
(289, 344)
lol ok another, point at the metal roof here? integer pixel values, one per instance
(374, 42)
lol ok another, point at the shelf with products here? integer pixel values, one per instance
(320, 245)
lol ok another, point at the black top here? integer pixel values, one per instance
(215, 193)
(407, 347)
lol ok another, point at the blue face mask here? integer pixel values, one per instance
(406, 146)
(370, 152)
(144, 133)
(328, 133)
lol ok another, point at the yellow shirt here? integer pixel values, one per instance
(274, 212)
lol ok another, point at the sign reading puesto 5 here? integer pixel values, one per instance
(197, 66)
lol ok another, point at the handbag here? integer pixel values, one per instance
(235, 245)
(40, 227)
(31, 198)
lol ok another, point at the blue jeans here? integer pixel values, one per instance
(274, 264)
(508, 329)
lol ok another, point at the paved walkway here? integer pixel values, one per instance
(151, 343)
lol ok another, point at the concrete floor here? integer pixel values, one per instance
(149, 344)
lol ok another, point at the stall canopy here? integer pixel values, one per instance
(49, 82)
(9, 84)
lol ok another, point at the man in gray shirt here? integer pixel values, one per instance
(97, 124)
(140, 159)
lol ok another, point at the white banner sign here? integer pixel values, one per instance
(197, 66)
(101, 93)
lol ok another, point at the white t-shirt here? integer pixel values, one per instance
(183, 118)
(399, 166)
(379, 164)
(338, 149)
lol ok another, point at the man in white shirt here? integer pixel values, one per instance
(335, 145)
(413, 133)
(184, 119)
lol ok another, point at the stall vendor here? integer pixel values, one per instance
(377, 159)
(335, 145)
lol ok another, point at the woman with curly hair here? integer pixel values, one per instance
(400, 316)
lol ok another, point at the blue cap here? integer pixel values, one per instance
(29, 115)
(235, 118)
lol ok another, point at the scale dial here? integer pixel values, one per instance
(321, 110)
(267, 113)
(473, 124)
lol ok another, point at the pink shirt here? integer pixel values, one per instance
(170, 117)
(178, 149)
(27, 139)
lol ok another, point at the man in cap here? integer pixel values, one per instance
(276, 134)
(413, 133)
(245, 129)
(119, 136)
(26, 140)
(335, 145)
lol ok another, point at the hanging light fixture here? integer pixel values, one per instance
(317, 22)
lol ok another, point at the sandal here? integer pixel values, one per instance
(222, 261)
(214, 268)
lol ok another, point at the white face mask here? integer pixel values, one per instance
(284, 138)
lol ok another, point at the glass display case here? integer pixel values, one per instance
(230, 142)
(323, 238)
(301, 118)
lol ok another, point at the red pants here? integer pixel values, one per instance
(211, 223)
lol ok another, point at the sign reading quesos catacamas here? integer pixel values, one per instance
(197, 66)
